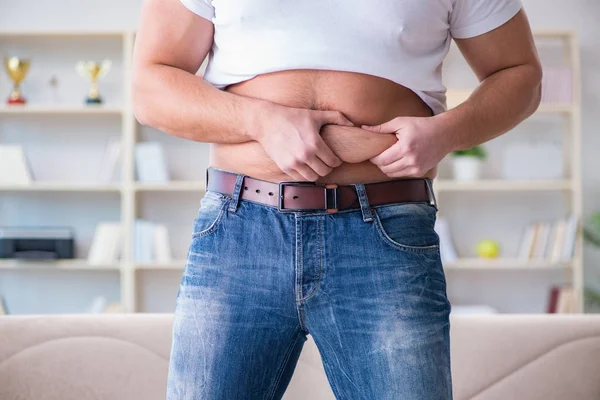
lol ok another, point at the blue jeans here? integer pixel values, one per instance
(367, 284)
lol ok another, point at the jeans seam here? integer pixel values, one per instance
(288, 354)
(298, 269)
(319, 261)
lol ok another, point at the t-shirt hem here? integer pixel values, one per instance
(489, 24)
(201, 9)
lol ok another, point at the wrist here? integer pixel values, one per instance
(454, 129)
(254, 116)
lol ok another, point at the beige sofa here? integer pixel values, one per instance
(125, 358)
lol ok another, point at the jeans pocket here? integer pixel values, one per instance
(212, 208)
(407, 226)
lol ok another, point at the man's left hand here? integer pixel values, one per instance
(421, 145)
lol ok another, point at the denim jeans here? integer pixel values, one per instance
(367, 284)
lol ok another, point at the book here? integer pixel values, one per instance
(150, 163)
(553, 299)
(542, 239)
(558, 241)
(106, 245)
(14, 168)
(144, 240)
(528, 241)
(110, 160)
(162, 249)
(447, 250)
(570, 236)
(566, 301)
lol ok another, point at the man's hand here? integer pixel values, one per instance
(421, 145)
(291, 137)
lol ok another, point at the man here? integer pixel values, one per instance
(344, 99)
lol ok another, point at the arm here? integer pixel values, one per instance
(506, 63)
(170, 46)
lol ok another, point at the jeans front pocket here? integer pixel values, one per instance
(212, 208)
(407, 226)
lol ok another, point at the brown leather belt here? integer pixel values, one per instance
(308, 196)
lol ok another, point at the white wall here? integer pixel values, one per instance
(582, 15)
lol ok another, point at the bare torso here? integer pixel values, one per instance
(364, 99)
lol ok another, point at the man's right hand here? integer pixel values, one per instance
(291, 137)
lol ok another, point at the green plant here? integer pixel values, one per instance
(477, 152)
(591, 233)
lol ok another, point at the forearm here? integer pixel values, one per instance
(355, 145)
(184, 105)
(500, 103)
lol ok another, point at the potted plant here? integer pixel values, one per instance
(467, 163)
(591, 233)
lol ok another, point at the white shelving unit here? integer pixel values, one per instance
(129, 192)
(570, 187)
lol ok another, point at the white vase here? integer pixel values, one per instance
(467, 168)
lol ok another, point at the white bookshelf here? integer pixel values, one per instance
(507, 264)
(569, 115)
(137, 281)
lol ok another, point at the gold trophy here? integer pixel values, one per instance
(17, 69)
(93, 70)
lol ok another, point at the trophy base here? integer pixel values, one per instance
(93, 101)
(20, 101)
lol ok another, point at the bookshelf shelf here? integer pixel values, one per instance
(40, 109)
(55, 265)
(172, 186)
(507, 263)
(501, 185)
(61, 187)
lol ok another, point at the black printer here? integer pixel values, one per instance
(37, 243)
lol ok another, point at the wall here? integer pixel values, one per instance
(581, 15)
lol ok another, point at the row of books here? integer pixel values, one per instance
(552, 241)
(150, 162)
(151, 243)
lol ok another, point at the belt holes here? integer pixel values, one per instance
(270, 193)
(295, 197)
(245, 187)
(257, 190)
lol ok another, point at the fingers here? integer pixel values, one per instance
(390, 155)
(294, 174)
(306, 173)
(326, 155)
(318, 166)
(392, 126)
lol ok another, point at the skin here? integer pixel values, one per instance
(324, 126)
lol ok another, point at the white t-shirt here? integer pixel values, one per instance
(404, 41)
